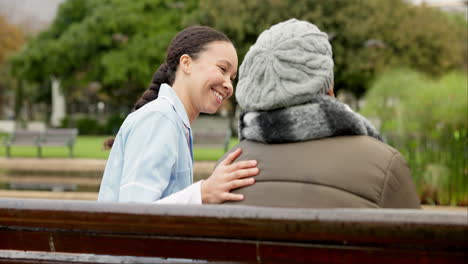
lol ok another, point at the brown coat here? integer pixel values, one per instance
(336, 172)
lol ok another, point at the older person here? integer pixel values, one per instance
(312, 150)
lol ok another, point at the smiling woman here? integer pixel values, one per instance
(152, 157)
(210, 78)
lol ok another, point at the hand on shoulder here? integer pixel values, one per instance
(227, 176)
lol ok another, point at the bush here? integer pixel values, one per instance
(89, 126)
(113, 124)
(426, 120)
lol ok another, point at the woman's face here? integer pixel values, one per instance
(212, 75)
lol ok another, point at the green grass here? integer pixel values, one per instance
(90, 147)
(85, 147)
(202, 154)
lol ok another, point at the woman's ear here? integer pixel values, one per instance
(330, 91)
(185, 63)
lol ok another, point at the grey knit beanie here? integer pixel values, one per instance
(288, 65)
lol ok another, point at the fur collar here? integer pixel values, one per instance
(322, 117)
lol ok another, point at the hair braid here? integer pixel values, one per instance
(164, 74)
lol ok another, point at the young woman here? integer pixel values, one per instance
(151, 158)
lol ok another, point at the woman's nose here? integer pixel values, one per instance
(228, 86)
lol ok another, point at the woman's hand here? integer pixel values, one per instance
(228, 176)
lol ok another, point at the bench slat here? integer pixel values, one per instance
(235, 233)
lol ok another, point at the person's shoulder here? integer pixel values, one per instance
(154, 110)
(156, 113)
(378, 144)
(360, 142)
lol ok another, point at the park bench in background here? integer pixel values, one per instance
(57, 138)
(50, 138)
(211, 132)
(212, 139)
(39, 229)
(22, 138)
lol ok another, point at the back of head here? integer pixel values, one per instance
(288, 65)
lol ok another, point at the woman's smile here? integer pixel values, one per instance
(218, 95)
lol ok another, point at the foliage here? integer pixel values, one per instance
(115, 43)
(88, 125)
(426, 120)
(367, 36)
(11, 39)
(113, 124)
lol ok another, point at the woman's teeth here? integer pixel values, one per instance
(220, 97)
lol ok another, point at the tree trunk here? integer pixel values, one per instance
(18, 101)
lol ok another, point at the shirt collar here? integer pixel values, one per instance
(166, 91)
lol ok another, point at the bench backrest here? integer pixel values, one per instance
(59, 136)
(211, 139)
(36, 126)
(234, 233)
(24, 137)
(211, 132)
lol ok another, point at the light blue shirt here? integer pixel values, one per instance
(151, 157)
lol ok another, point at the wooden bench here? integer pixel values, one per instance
(211, 132)
(58, 138)
(50, 138)
(22, 138)
(49, 231)
(212, 139)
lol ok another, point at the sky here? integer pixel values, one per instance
(31, 15)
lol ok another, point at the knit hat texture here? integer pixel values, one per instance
(288, 65)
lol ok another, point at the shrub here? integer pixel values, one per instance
(89, 126)
(426, 120)
(113, 124)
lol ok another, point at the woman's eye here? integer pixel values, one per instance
(222, 69)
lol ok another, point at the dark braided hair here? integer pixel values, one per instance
(190, 41)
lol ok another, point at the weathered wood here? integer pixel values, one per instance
(49, 195)
(232, 233)
(86, 166)
(23, 257)
(50, 183)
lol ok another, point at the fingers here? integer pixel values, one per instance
(244, 164)
(233, 197)
(244, 173)
(235, 184)
(231, 157)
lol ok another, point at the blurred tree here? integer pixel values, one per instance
(367, 36)
(11, 39)
(425, 118)
(107, 48)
